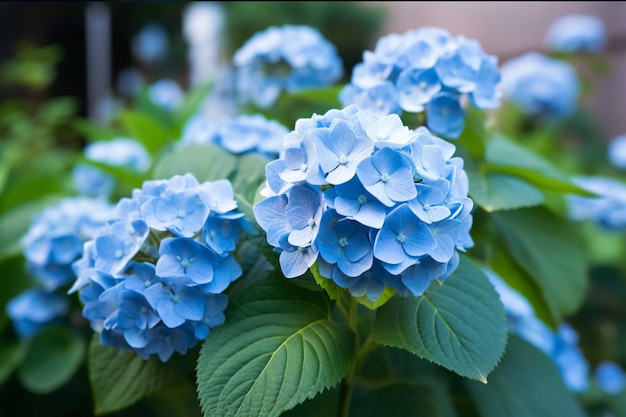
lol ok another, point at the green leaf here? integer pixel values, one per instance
(333, 290)
(11, 355)
(399, 399)
(505, 156)
(119, 379)
(373, 305)
(249, 176)
(148, 131)
(278, 348)
(526, 383)
(386, 366)
(16, 222)
(93, 131)
(14, 279)
(193, 100)
(205, 162)
(459, 325)
(495, 192)
(474, 134)
(518, 279)
(545, 247)
(54, 356)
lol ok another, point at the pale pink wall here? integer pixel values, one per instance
(507, 29)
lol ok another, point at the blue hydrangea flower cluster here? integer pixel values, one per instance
(610, 377)
(608, 210)
(371, 202)
(540, 86)
(150, 44)
(52, 243)
(425, 69)
(617, 152)
(166, 94)
(120, 152)
(286, 58)
(561, 346)
(239, 135)
(576, 33)
(152, 279)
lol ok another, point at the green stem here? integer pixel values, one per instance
(363, 348)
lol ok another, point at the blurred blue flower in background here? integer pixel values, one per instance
(610, 377)
(286, 58)
(576, 33)
(120, 152)
(617, 152)
(561, 346)
(608, 209)
(53, 242)
(239, 135)
(166, 94)
(540, 86)
(150, 44)
(35, 308)
(407, 72)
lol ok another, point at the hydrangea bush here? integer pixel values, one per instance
(408, 246)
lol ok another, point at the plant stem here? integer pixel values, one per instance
(348, 382)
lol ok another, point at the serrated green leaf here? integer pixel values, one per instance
(495, 192)
(505, 156)
(120, 379)
(278, 348)
(459, 325)
(545, 247)
(526, 383)
(55, 354)
(205, 162)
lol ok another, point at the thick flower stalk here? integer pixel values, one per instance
(372, 203)
(53, 242)
(540, 86)
(152, 280)
(286, 58)
(425, 70)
